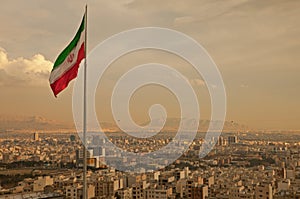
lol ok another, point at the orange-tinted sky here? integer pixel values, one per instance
(255, 43)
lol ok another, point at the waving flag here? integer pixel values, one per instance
(67, 63)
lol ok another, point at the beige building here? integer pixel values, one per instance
(240, 192)
(107, 187)
(76, 191)
(199, 192)
(125, 193)
(263, 191)
(41, 183)
(155, 192)
(138, 189)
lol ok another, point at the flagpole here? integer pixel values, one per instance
(84, 111)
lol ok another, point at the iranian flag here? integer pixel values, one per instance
(67, 63)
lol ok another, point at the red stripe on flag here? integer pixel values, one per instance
(61, 83)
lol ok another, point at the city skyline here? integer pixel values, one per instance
(255, 45)
(247, 165)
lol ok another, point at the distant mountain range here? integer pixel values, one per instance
(19, 123)
(38, 123)
(172, 124)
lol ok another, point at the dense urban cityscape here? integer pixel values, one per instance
(254, 165)
(150, 99)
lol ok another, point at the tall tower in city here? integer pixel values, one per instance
(232, 139)
(36, 136)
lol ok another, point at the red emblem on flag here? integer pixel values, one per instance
(71, 58)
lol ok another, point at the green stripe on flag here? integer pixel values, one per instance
(60, 59)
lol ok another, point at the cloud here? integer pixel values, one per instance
(22, 71)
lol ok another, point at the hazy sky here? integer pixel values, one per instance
(255, 43)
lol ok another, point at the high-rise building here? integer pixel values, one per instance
(36, 136)
(98, 151)
(221, 141)
(79, 156)
(232, 139)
